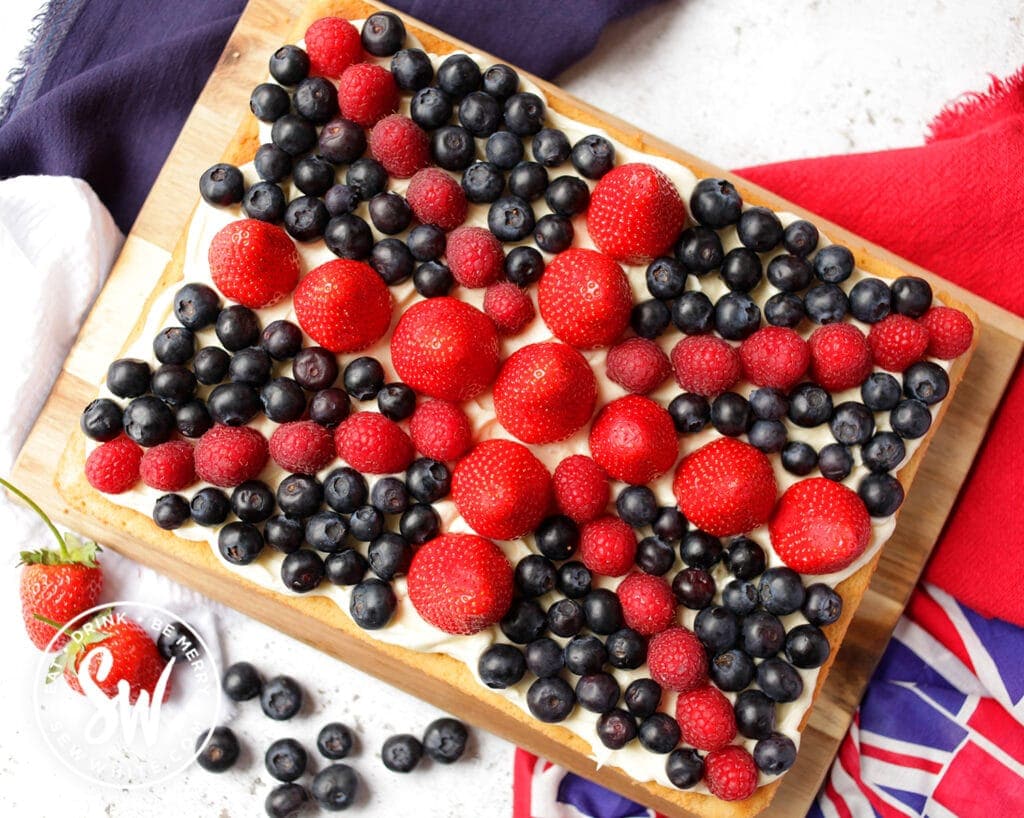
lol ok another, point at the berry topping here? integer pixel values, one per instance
(638, 365)
(373, 444)
(634, 440)
(949, 332)
(332, 45)
(367, 93)
(730, 773)
(229, 455)
(474, 256)
(775, 356)
(677, 661)
(253, 263)
(897, 341)
(113, 467)
(303, 447)
(436, 198)
(584, 298)
(706, 719)
(441, 430)
(400, 145)
(607, 546)
(509, 307)
(840, 358)
(581, 488)
(168, 466)
(343, 305)
(648, 604)
(705, 365)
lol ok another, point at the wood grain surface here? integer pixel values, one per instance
(318, 621)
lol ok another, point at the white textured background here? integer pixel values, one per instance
(739, 83)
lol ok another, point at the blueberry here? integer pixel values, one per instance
(593, 156)
(655, 556)
(483, 182)
(372, 604)
(285, 759)
(430, 108)
(272, 164)
(363, 378)
(390, 214)
(730, 414)
(480, 113)
(148, 421)
(501, 666)
(523, 266)
(544, 657)
(553, 234)
(504, 150)
(650, 318)
(428, 480)
(597, 692)
(102, 419)
(585, 655)
(870, 300)
(789, 273)
(659, 733)
(452, 147)
(222, 184)
(882, 494)
(283, 400)
(170, 511)
(715, 203)
(694, 588)
(767, 435)
(210, 506)
(741, 270)
(626, 648)
(835, 461)
(768, 404)
(524, 114)
(346, 567)
(445, 740)
(524, 621)
(825, 303)
(527, 180)
(419, 523)
(315, 368)
(732, 670)
(761, 634)
(736, 316)
(342, 142)
(565, 617)
(693, 313)
(700, 250)
(500, 81)
(716, 628)
(809, 405)
(326, 531)
(128, 377)
(784, 310)
(833, 264)
(684, 768)
(335, 787)
(603, 610)
(775, 754)
(174, 345)
(300, 495)
(458, 74)
(690, 412)
(616, 729)
(700, 550)
(426, 242)
(219, 749)
(293, 134)
(241, 682)
(366, 177)
(313, 175)
(781, 591)
(926, 381)
(642, 697)
(740, 597)
(800, 238)
(637, 505)
(289, 65)
(329, 407)
(759, 229)
(550, 147)
(401, 753)
(574, 580)
(252, 501)
(535, 575)
(911, 296)
(567, 195)
(745, 558)
(550, 699)
(433, 279)
(237, 327)
(883, 452)
(852, 423)
(806, 646)
(366, 523)
(348, 236)
(755, 714)
(283, 533)
(341, 199)
(779, 680)
(233, 404)
(383, 33)
(666, 277)
(670, 524)
(316, 99)
(281, 340)
(335, 741)
(285, 800)
(880, 392)
(396, 401)
(240, 543)
(250, 366)
(412, 69)
(557, 537)
(799, 458)
(909, 419)
(822, 605)
(510, 218)
(196, 306)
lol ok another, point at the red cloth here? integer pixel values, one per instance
(956, 207)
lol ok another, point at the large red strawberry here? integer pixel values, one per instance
(634, 440)
(460, 583)
(56, 585)
(343, 305)
(502, 489)
(545, 392)
(584, 298)
(446, 349)
(254, 263)
(725, 487)
(635, 213)
(819, 526)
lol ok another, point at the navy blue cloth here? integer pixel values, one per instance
(107, 85)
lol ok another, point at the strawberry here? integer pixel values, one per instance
(113, 467)
(819, 526)
(509, 307)
(581, 488)
(706, 719)
(676, 660)
(56, 585)
(254, 263)
(635, 213)
(725, 487)
(950, 332)
(897, 341)
(705, 364)
(343, 305)
(460, 583)
(436, 198)
(634, 440)
(374, 444)
(400, 145)
(136, 659)
(475, 256)
(441, 430)
(775, 356)
(648, 604)
(730, 773)
(367, 93)
(168, 466)
(638, 365)
(229, 455)
(840, 358)
(544, 392)
(301, 447)
(332, 44)
(502, 489)
(446, 349)
(607, 546)
(584, 298)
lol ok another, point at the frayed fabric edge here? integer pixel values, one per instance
(16, 76)
(974, 110)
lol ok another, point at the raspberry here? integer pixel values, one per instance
(440, 430)
(253, 263)
(400, 145)
(840, 358)
(113, 467)
(634, 440)
(343, 305)
(706, 719)
(332, 44)
(302, 447)
(607, 546)
(367, 93)
(229, 455)
(374, 444)
(581, 488)
(897, 341)
(474, 256)
(775, 356)
(648, 604)
(637, 365)
(509, 307)
(677, 661)
(169, 466)
(584, 298)
(436, 198)
(705, 364)
(950, 332)
(730, 773)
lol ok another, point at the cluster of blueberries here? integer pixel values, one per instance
(581, 631)
(336, 786)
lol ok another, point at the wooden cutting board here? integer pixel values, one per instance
(208, 130)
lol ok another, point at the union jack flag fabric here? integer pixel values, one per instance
(939, 733)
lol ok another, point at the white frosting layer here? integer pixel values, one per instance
(407, 628)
